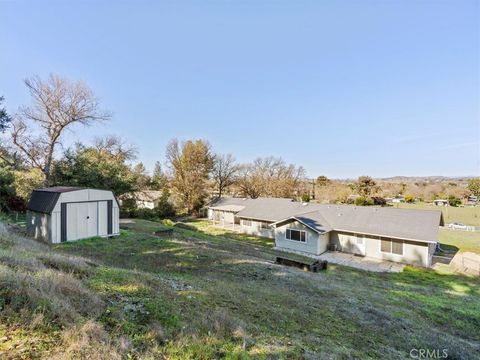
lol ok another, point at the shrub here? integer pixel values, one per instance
(305, 198)
(409, 199)
(377, 200)
(454, 201)
(364, 201)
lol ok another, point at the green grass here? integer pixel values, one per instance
(461, 240)
(465, 215)
(211, 294)
(217, 294)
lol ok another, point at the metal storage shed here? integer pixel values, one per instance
(59, 214)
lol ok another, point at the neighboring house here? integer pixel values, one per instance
(398, 200)
(62, 213)
(146, 199)
(440, 202)
(400, 235)
(471, 200)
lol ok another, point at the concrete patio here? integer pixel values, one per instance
(357, 262)
(362, 263)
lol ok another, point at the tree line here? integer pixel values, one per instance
(33, 154)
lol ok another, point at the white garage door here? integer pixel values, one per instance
(82, 220)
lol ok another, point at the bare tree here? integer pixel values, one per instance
(224, 172)
(57, 105)
(271, 176)
(116, 146)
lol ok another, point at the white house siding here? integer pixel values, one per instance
(38, 225)
(315, 243)
(415, 253)
(221, 217)
(256, 229)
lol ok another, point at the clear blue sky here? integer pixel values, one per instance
(344, 88)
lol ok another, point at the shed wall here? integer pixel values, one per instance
(38, 225)
(87, 195)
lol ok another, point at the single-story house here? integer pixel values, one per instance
(400, 235)
(146, 199)
(63, 213)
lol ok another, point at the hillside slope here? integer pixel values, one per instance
(201, 296)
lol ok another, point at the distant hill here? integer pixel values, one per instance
(424, 178)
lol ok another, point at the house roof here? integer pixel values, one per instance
(419, 225)
(315, 221)
(270, 209)
(409, 224)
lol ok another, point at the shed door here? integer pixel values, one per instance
(82, 220)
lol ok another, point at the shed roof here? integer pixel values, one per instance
(60, 189)
(44, 200)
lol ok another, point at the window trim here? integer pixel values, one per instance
(249, 222)
(304, 241)
(265, 225)
(391, 246)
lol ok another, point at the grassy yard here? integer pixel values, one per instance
(465, 215)
(461, 240)
(213, 294)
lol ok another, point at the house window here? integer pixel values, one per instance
(397, 247)
(296, 235)
(386, 246)
(359, 239)
(391, 246)
(265, 225)
(247, 222)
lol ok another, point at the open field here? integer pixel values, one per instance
(200, 296)
(465, 215)
(462, 240)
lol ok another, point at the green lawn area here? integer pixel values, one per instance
(465, 215)
(461, 240)
(215, 294)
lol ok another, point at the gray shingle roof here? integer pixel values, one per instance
(421, 225)
(315, 221)
(398, 223)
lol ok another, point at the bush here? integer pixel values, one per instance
(305, 198)
(409, 199)
(364, 201)
(454, 201)
(377, 200)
